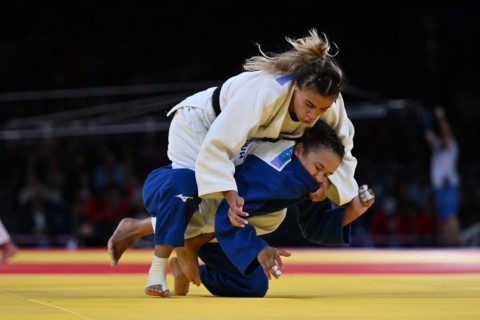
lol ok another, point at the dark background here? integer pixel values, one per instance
(421, 50)
(411, 51)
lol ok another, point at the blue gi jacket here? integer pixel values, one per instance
(258, 182)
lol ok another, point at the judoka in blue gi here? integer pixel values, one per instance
(271, 176)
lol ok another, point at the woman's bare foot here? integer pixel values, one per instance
(128, 230)
(157, 291)
(181, 282)
(9, 249)
(188, 262)
(188, 256)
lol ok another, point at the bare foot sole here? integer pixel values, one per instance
(188, 262)
(181, 282)
(157, 291)
(122, 238)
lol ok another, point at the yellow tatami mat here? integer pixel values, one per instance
(32, 286)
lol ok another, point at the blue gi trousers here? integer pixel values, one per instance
(171, 196)
(222, 278)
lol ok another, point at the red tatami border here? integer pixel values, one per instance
(341, 268)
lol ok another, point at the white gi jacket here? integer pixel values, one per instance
(255, 105)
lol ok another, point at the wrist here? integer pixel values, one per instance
(229, 194)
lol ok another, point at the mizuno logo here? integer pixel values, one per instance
(184, 198)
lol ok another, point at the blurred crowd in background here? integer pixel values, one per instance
(74, 191)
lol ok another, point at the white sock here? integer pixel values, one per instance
(158, 273)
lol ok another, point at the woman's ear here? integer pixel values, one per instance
(298, 148)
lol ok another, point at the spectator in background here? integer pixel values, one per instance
(104, 210)
(7, 247)
(389, 225)
(444, 176)
(43, 208)
(109, 172)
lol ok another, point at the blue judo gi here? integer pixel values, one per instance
(268, 187)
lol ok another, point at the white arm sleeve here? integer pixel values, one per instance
(344, 186)
(247, 108)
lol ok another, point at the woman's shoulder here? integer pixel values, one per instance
(274, 80)
(258, 84)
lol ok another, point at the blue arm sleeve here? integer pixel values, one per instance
(320, 223)
(241, 245)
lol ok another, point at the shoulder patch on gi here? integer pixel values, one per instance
(282, 159)
(276, 154)
(284, 79)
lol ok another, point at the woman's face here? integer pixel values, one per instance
(307, 105)
(319, 162)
